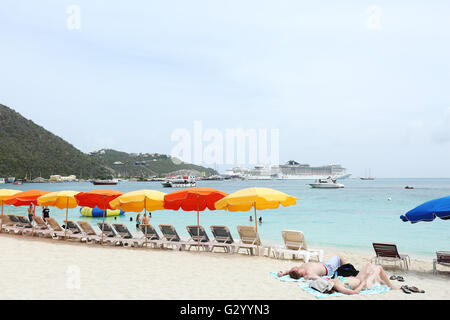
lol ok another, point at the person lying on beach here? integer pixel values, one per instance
(370, 275)
(315, 270)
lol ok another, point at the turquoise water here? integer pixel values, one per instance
(353, 217)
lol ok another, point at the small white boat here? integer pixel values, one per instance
(2, 181)
(179, 182)
(328, 183)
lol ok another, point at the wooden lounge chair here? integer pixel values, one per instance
(24, 226)
(56, 231)
(74, 231)
(222, 238)
(249, 239)
(41, 229)
(10, 223)
(198, 239)
(295, 244)
(124, 234)
(109, 235)
(150, 236)
(388, 252)
(89, 232)
(171, 237)
(442, 258)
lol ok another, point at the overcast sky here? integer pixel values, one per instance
(361, 83)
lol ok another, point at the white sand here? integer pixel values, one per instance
(33, 268)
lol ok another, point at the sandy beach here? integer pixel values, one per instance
(36, 268)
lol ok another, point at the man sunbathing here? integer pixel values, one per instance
(315, 270)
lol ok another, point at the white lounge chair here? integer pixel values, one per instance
(109, 234)
(56, 231)
(198, 239)
(74, 231)
(150, 236)
(171, 237)
(41, 229)
(249, 241)
(89, 232)
(442, 258)
(125, 234)
(295, 244)
(10, 223)
(222, 239)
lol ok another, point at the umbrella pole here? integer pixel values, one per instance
(2, 207)
(104, 214)
(256, 221)
(198, 224)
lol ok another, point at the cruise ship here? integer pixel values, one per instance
(291, 170)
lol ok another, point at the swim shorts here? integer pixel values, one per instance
(332, 265)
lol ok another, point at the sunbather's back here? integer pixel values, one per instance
(169, 232)
(222, 234)
(249, 235)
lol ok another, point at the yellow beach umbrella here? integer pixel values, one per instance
(257, 198)
(5, 194)
(61, 200)
(137, 201)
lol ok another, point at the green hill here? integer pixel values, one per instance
(145, 164)
(28, 150)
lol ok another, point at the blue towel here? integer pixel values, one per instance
(376, 289)
(286, 278)
(304, 284)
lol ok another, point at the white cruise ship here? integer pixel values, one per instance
(292, 170)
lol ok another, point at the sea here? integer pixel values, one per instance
(352, 217)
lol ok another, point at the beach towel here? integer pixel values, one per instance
(376, 289)
(286, 278)
(304, 284)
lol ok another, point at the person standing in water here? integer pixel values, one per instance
(138, 220)
(45, 213)
(31, 212)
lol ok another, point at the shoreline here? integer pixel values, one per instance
(37, 268)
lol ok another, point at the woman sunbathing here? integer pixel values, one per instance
(370, 275)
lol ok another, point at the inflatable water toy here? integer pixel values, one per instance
(96, 212)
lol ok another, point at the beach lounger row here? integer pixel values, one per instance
(118, 234)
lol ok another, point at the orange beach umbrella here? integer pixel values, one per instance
(25, 198)
(97, 198)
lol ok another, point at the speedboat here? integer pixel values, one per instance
(104, 182)
(328, 183)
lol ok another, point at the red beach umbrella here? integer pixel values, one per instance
(193, 199)
(97, 198)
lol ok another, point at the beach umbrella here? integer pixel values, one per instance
(429, 210)
(138, 201)
(6, 194)
(257, 198)
(193, 199)
(98, 198)
(61, 200)
(25, 198)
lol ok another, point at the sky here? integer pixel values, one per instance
(360, 83)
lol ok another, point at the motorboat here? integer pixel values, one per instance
(328, 183)
(104, 182)
(179, 182)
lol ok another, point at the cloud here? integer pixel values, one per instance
(441, 133)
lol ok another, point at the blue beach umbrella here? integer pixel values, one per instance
(429, 210)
